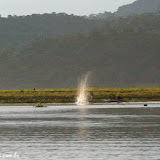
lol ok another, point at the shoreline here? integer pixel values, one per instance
(73, 104)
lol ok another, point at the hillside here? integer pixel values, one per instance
(139, 7)
(122, 53)
(19, 30)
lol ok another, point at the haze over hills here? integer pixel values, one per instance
(122, 53)
(139, 7)
(100, 16)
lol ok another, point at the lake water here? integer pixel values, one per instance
(98, 132)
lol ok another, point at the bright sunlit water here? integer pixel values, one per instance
(117, 132)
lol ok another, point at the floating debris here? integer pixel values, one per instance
(40, 105)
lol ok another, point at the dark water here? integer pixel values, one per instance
(80, 132)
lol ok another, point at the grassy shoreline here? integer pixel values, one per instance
(69, 95)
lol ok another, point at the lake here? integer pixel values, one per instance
(96, 132)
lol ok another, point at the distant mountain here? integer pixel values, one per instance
(122, 53)
(139, 7)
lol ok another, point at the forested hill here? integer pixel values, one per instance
(18, 30)
(139, 7)
(124, 52)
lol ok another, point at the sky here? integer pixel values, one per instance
(77, 7)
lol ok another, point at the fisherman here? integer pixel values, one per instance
(119, 99)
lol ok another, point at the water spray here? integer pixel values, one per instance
(82, 98)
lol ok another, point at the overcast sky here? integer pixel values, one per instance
(77, 7)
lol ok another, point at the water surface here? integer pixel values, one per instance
(117, 132)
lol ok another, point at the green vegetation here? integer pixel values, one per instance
(69, 95)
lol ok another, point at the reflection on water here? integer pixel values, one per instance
(81, 133)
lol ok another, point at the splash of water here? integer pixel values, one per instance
(82, 98)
